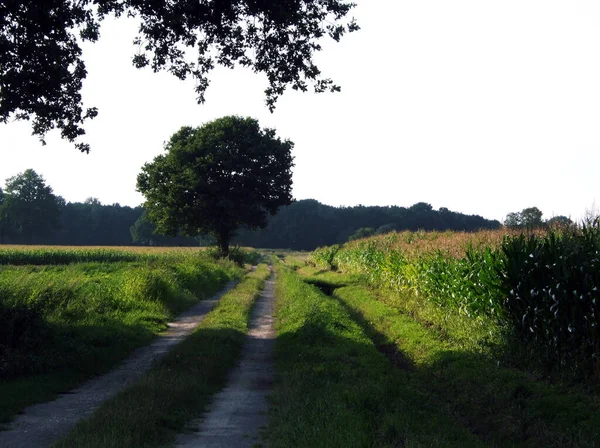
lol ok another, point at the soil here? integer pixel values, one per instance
(238, 412)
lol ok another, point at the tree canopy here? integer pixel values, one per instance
(529, 218)
(29, 207)
(41, 65)
(226, 174)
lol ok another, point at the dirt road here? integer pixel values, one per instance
(239, 411)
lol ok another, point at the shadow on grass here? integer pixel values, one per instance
(384, 345)
(500, 405)
(338, 391)
(326, 287)
(65, 357)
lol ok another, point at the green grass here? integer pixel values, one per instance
(62, 324)
(177, 389)
(334, 389)
(506, 407)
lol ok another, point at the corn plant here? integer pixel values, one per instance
(323, 257)
(552, 293)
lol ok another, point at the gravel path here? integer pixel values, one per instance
(239, 411)
(42, 424)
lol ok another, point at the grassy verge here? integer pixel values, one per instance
(506, 407)
(334, 389)
(62, 324)
(178, 388)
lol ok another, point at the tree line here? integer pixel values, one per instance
(30, 213)
(307, 224)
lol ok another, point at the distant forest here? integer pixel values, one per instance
(304, 225)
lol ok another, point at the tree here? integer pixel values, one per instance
(386, 228)
(363, 232)
(529, 218)
(559, 221)
(41, 65)
(143, 233)
(216, 178)
(29, 205)
(513, 220)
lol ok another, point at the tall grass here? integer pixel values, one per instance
(552, 290)
(79, 319)
(53, 256)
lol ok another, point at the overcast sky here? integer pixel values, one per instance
(484, 107)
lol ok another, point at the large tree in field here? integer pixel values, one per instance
(29, 207)
(41, 65)
(216, 178)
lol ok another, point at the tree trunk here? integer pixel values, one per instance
(223, 242)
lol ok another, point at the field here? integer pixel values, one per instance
(406, 339)
(69, 313)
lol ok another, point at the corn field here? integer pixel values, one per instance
(543, 286)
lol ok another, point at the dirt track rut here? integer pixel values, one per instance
(239, 411)
(42, 424)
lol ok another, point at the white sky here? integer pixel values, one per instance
(485, 107)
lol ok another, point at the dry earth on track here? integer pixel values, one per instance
(239, 411)
(42, 424)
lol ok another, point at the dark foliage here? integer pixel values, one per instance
(23, 333)
(28, 208)
(308, 224)
(143, 233)
(303, 225)
(41, 66)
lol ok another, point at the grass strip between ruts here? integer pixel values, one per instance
(334, 389)
(178, 388)
(507, 407)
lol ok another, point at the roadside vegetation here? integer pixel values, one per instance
(68, 315)
(500, 328)
(503, 406)
(178, 388)
(333, 387)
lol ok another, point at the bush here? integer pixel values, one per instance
(237, 255)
